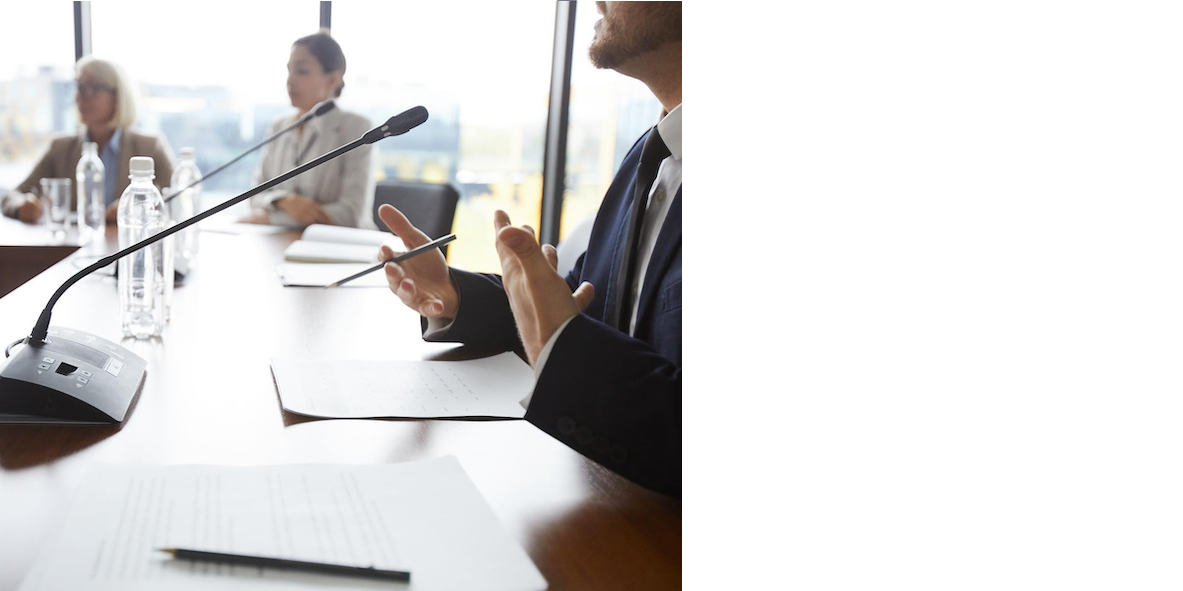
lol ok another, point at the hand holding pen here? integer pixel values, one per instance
(423, 283)
(395, 259)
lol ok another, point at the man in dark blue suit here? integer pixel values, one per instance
(606, 341)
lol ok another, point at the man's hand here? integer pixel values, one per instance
(30, 211)
(423, 282)
(540, 299)
(304, 210)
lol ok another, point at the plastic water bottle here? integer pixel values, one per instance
(92, 207)
(142, 274)
(185, 206)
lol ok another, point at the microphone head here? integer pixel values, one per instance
(319, 109)
(324, 107)
(397, 125)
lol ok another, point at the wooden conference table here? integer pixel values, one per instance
(209, 398)
(26, 250)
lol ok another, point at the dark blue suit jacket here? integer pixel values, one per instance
(613, 397)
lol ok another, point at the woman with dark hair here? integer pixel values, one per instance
(339, 192)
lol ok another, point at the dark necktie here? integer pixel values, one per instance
(621, 307)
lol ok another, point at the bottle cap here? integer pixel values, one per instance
(90, 147)
(142, 165)
(188, 152)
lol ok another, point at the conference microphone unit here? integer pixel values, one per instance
(63, 375)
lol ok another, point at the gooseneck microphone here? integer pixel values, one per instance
(76, 377)
(320, 109)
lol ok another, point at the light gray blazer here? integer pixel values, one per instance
(344, 187)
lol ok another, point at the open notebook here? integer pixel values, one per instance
(336, 244)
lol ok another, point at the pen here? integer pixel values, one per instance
(398, 259)
(283, 563)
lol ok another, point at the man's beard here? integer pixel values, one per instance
(635, 28)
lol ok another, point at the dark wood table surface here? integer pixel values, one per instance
(28, 249)
(209, 398)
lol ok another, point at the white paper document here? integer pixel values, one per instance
(489, 387)
(424, 517)
(320, 275)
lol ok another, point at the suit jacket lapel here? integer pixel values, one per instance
(71, 156)
(618, 235)
(65, 168)
(669, 242)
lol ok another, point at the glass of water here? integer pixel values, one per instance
(55, 196)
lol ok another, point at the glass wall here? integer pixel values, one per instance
(36, 86)
(608, 113)
(482, 69)
(198, 82)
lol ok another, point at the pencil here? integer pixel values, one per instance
(283, 563)
(397, 259)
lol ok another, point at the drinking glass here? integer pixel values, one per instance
(55, 196)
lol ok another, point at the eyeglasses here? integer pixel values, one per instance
(92, 89)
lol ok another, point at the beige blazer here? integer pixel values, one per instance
(61, 161)
(344, 187)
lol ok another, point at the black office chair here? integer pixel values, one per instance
(431, 207)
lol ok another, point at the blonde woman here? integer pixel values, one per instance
(107, 109)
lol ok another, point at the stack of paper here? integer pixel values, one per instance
(336, 244)
(423, 517)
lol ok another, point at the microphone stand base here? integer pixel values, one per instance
(71, 378)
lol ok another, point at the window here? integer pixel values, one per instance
(488, 105)
(608, 113)
(484, 75)
(36, 87)
(212, 79)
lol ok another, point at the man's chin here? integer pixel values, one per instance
(602, 55)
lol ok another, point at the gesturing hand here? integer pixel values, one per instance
(540, 299)
(423, 283)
